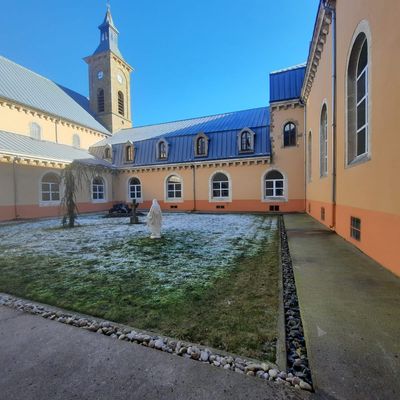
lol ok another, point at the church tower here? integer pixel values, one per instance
(109, 80)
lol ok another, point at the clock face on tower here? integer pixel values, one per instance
(100, 75)
(120, 78)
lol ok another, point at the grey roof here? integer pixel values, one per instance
(21, 145)
(212, 123)
(24, 86)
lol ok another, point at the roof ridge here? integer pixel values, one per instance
(296, 66)
(190, 119)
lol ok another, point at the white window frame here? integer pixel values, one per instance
(93, 192)
(51, 202)
(224, 199)
(138, 199)
(352, 160)
(323, 143)
(158, 153)
(168, 199)
(38, 133)
(76, 141)
(267, 199)
(239, 141)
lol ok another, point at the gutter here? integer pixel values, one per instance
(332, 11)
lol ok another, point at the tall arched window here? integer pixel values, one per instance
(323, 142)
(220, 186)
(121, 103)
(76, 141)
(162, 150)
(100, 100)
(35, 131)
(309, 157)
(358, 128)
(274, 184)
(107, 153)
(174, 188)
(98, 189)
(289, 134)
(50, 188)
(246, 141)
(135, 189)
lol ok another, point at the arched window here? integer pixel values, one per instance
(309, 157)
(135, 189)
(220, 186)
(35, 131)
(323, 142)
(174, 188)
(162, 150)
(76, 141)
(107, 153)
(246, 143)
(274, 184)
(358, 99)
(128, 152)
(100, 100)
(50, 188)
(98, 188)
(201, 146)
(289, 134)
(121, 103)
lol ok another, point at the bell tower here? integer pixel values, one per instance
(109, 80)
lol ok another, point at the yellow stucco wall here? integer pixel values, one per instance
(17, 119)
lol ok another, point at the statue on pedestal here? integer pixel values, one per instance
(154, 220)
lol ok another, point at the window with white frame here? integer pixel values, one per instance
(35, 131)
(129, 152)
(220, 186)
(323, 142)
(135, 189)
(162, 150)
(174, 188)
(98, 189)
(357, 100)
(274, 184)
(50, 188)
(246, 141)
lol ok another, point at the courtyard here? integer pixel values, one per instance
(211, 279)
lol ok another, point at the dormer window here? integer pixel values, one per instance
(246, 141)
(162, 150)
(129, 152)
(201, 145)
(107, 153)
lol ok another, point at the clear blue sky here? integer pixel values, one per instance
(191, 57)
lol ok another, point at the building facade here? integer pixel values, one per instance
(325, 145)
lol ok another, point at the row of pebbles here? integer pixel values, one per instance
(297, 361)
(266, 371)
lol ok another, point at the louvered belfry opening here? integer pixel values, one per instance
(121, 106)
(100, 100)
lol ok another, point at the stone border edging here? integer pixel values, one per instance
(297, 360)
(240, 365)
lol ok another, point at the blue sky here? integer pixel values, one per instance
(191, 57)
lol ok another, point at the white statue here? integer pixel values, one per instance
(154, 220)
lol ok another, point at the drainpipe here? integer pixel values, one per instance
(194, 186)
(56, 129)
(15, 186)
(332, 11)
(305, 141)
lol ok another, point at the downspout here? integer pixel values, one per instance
(305, 141)
(56, 130)
(15, 186)
(332, 11)
(194, 186)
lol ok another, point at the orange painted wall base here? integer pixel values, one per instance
(380, 232)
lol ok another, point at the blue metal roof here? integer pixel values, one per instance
(286, 84)
(24, 86)
(222, 131)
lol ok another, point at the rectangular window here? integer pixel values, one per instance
(274, 208)
(355, 228)
(322, 213)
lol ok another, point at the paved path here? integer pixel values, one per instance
(43, 359)
(350, 308)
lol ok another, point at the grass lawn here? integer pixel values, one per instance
(211, 279)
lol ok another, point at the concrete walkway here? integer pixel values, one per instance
(43, 359)
(350, 308)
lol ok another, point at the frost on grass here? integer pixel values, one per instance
(195, 248)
